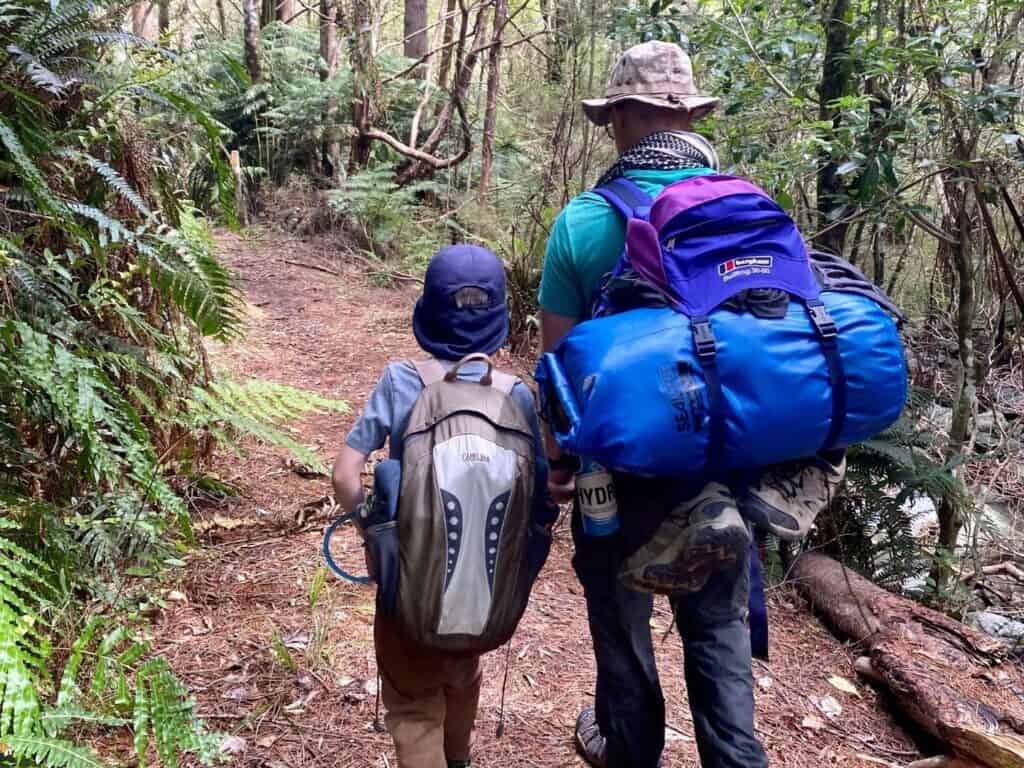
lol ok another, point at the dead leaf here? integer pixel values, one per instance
(175, 596)
(240, 693)
(844, 685)
(234, 745)
(813, 722)
(830, 707)
(297, 642)
(266, 742)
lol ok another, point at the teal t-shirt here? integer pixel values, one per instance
(587, 240)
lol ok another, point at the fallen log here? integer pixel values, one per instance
(951, 680)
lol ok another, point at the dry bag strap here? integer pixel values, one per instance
(707, 353)
(828, 334)
(757, 606)
(430, 371)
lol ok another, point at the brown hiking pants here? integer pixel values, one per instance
(431, 699)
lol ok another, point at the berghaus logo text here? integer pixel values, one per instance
(744, 262)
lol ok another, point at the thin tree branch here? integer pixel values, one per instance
(753, 49)
(1004, 263)
(437, 163)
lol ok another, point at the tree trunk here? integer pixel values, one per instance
(251, 31)
(416, 42)
(950, 518)
(222, 19)
(948, 678)
(465, 64)
(834, 78)
(330, 150)
(444, 71)
(285, 11)
(491, 109)
(164, 21)
(140, 18)
(558, 22)
(362, 100)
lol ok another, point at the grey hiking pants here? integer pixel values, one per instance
(628, 699)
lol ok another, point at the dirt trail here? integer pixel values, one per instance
(294, 678)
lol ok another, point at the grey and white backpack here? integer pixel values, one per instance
(468, 552)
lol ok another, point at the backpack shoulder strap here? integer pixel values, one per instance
(430, 371)
(626, 197)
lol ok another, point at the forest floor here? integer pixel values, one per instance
(288, 668)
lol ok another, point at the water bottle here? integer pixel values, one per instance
(595, 492)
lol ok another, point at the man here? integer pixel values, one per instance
(650, 104)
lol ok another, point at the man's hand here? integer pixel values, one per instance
(561, 480)
(561, 484)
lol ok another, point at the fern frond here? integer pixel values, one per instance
(184, 268)
(113, 179)
(163, 706)
(63, 16)
(215, 135)
(51, 752)
(111, 229)
(261, 409)
(37, 186)
(59, 719)
(40, 76)
(23, 645)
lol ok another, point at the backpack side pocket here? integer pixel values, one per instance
(382, 542)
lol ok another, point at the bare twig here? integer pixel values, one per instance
(325, 270)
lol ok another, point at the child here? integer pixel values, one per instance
(431, 696)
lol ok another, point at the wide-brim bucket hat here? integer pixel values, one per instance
(654, 73)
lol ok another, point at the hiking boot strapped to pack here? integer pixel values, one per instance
(700, 537)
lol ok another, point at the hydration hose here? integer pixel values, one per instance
(337, 569)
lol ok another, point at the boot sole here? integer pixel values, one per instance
(713, 550)
(776, 522)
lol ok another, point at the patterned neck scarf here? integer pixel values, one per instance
(664, 151)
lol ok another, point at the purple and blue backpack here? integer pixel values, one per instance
(680, 372)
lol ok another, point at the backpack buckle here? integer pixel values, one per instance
(823, 322)
(704, 339)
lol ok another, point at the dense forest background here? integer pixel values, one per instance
(130, 134)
